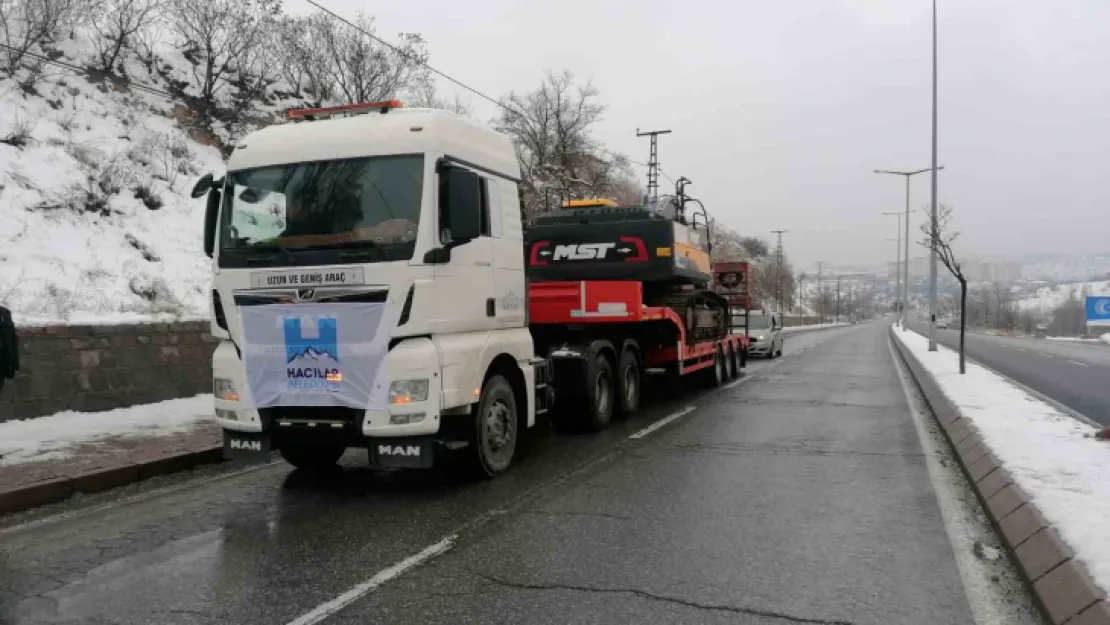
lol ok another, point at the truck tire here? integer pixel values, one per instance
(733, 369)
(743, 357)
(715, 375)
(629, 382)
(600, 393)
(312, 457)
(496, 429)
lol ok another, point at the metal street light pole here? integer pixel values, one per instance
(933, 202)
(897, 269)
(906, 262)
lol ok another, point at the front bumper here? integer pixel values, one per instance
(409, 360)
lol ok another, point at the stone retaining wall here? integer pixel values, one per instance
(92, 368)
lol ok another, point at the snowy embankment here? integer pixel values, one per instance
(58, 436)
(1105, 338)
(814, 326)
(1054, 458)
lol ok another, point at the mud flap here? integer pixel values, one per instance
(402, 453)
(249, 446)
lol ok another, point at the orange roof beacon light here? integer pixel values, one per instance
(344, 110)
(590, 203)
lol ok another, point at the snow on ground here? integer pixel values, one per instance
(1051, 456)
(56, 436)
(1046, 298)
(96, 223)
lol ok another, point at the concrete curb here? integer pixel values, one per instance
(52, 491)
(1061, 584)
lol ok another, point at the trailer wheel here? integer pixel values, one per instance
(312, 457)
(743, 357)
(730, 363)
(600, 393)
(628, 384)
(494, 435)
(716, 375)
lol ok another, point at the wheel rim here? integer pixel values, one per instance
(603, 394)
(630, 389)
(499, 428)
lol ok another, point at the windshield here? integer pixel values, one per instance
(365, 202)
(760, 322)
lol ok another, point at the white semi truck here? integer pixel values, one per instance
(369, 290)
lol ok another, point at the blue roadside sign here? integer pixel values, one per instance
(1098, 310)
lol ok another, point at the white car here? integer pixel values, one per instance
(765, 333)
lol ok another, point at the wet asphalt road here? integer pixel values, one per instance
(798, 495)
(1073, 374)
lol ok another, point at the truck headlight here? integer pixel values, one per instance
(225, 389)
(408, 391)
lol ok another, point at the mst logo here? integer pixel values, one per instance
(583, 251)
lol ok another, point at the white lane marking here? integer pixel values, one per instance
(664, 421)
(985, 585)
(324, 610)
(1076, 362)
(1044, 354)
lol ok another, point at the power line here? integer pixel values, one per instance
(410, 57)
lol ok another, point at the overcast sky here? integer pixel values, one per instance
(781, 109)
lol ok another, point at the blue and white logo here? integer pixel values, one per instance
(1098, 310)
(316, 354)
(312, 353)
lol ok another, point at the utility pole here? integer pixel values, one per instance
(778, 270)
(837, 318)
(897, 259)
(933, 202)
(653, 163)
(906, 259)
(820, 296)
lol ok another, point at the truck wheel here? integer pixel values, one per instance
(743, 357)
(311, 457)
(628, 385)
(730, 360)
(494, 435)
(716, 373)
(600, 393)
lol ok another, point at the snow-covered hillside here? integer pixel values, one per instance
(1045, 299)
(95, 220)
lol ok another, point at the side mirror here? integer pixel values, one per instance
(460, 205)
(211, 215)
(202, 186)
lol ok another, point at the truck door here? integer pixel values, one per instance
(508, 257)
(465, 293)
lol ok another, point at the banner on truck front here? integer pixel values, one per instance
(315, 355)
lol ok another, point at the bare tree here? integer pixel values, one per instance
(938, 238)
(363, 70)
(27, 24)
(219, 36)
(424, 95)
(115, 24)
(551, 128)
(304, 62)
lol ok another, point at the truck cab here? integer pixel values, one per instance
(369, 290)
